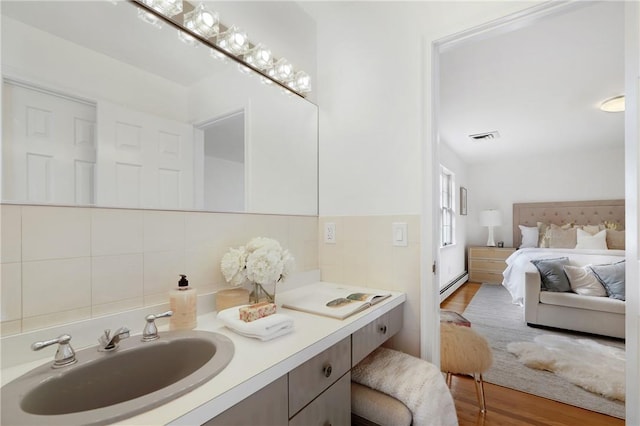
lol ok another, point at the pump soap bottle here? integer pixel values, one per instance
(183, 304)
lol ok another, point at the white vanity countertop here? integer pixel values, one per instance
(255, 364)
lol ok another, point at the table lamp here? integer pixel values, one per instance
(490, 218)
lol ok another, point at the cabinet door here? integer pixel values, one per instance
(311, 378)
(267, 407)
(332, 407)
(372, 335)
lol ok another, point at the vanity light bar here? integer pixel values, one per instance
(228, 42)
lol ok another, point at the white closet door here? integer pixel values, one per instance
(49, 147)
(145, 160)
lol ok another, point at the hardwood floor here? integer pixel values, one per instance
(506, 406)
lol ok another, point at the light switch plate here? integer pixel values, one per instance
(399, 234)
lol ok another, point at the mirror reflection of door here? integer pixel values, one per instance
(224, 162)
(49, 146)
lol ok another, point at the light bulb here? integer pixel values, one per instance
(282, 70)
(166, 7)
(234, 41)
(202, 21)
(260, 57)
(302, 82)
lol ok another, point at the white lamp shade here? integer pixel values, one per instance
(490, 218)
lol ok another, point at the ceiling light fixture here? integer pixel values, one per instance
(225, 42)
(202, 21)
(166, 7)
(615, 104)
(260, 57)
(234, 41)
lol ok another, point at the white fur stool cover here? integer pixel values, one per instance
(463, 351)
(417, 383)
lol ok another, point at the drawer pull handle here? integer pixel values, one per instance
(383, 329)
(327, 370)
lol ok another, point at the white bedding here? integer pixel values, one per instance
(520, 261)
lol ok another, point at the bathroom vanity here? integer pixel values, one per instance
(298, 379)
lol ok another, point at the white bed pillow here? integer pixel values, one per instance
(529, 236)
(588, 241)
(583, 281)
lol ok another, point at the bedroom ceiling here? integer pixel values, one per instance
(539, 87)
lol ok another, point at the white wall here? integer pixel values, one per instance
(374, 79)
(223, 185)
(562, 176)
(452, 258)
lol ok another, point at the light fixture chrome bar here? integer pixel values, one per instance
(177, 22)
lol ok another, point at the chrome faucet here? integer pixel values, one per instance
(150, 331)
(65, 354)
(110, 343)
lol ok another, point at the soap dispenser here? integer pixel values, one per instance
(182, 301)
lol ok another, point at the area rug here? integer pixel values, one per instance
(492, 314)
(592, 366)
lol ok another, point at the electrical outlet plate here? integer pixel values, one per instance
(330, 233)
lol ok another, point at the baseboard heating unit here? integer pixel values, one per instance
(453, 285)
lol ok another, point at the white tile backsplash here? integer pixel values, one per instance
(65, 264)
(162, 271)
(55, 232)
(115, 278)
(116, 231)
(50, 286)
(11, 230)
(11, 288)
(163, 230)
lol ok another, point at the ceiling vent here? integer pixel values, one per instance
(485, 136)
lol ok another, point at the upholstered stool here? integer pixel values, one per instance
(463, 351)
(370, 407)
(400, 389)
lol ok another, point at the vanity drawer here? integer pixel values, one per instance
(267, 407)
(314, 376)
(372, 335)
(333, 407)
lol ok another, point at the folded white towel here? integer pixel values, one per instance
(266, 328)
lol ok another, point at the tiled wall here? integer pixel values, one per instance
(364, 255)
(64, 264)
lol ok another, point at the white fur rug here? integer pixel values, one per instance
(583, 362)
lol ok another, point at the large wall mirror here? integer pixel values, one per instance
(101, 108)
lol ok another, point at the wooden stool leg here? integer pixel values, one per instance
(477, 378)
(449, 379)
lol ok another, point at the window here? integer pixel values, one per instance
(447, 209)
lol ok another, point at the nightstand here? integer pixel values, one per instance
(486, 264)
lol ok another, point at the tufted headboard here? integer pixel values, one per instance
(559, 213)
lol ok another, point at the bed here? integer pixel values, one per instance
(565, 243)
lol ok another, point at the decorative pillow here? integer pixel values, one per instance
(542, 233)
(583, 281)
(615, 239)
(612, 278)
(529, 236)
(588, 241)
(552, 274)
(592, 229)
(561, 236)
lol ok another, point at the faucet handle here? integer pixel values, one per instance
(65, 355)
(150, 331)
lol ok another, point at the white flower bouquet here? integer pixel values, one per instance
(261, 261)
